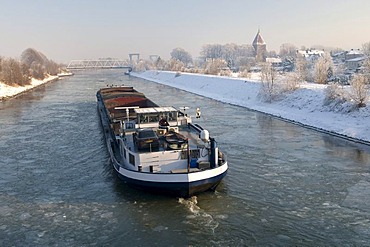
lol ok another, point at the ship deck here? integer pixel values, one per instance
(188, 133)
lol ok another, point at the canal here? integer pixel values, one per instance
(286, 185)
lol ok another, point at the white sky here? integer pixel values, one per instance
(82, 29)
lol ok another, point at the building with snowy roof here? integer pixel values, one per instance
(354, 53)
(355, 64)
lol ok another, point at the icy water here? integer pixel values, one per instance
(286, 186)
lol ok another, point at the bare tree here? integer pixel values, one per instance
(214, 66)
(33, 64)
(235, 55)
(160, 64)
(211, 51)
(37, 71)
(12, 72)
(229, 53)
(268, 79)
(181, 55)
(31, 56)
(52, 68)
(175, 65)
(301, 68)
(39, 64)
(359, 90)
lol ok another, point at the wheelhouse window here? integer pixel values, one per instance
(192, 154)
(169, 116)
(154, 114)
(184, 155)
(132, 159)
(172, 116)
(149, 118)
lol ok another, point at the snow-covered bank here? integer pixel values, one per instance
(7, 91)
(304, 106)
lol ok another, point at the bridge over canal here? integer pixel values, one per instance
(99, 64)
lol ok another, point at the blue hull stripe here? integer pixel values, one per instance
(174, 188)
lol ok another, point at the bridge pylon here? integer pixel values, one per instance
(131, 55)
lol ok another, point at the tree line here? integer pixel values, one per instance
(217, 59)
(224, 59)
(32, 64)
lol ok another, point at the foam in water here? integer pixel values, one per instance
(201, 217)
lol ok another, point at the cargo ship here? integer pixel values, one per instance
(158, 148)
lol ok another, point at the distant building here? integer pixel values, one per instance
(275, 61)
(355, 64)
(259, 46)
(353, 53)
(311, 53)
(339, 57)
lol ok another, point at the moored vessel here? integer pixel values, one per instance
(158, 148)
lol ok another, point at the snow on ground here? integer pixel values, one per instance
(9, 91)
(304, 105)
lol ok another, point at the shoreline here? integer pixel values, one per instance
(31, 87)
(348, 129)
(9, 97)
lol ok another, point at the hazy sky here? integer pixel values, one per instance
(87, 29)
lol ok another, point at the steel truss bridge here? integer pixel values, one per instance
(99, 64)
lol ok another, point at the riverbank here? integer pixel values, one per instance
(8, 92)
(303, 106)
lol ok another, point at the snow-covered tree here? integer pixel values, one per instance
(39, 64)
(160, 64)
(235, 55)
(37, 71)
(211, 51)
(143, 65)
(366, 70)
(181, 55)
(301, 68)
(323, 69)
(288, 50)
(366, 65)
(366, 49)
(175, 65)
(214, 66)
(229, 53)
(268, 79)
(52, 68)
(334, 94)
(271, 54)
(359, 90)
(291, 82)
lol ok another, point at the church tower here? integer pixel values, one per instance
(259, 46)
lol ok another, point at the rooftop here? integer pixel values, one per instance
(258, 40)
(155, 109)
